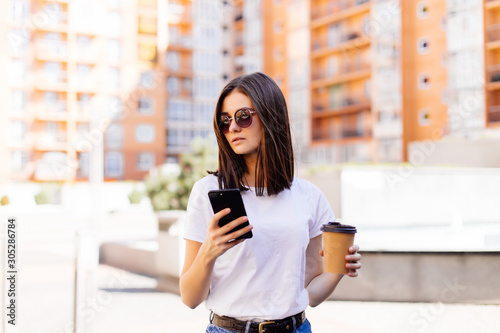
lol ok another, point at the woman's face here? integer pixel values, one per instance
(243, 141)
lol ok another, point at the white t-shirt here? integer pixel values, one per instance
(263, 277)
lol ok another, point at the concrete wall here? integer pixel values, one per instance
(447, 277)
(462, 152)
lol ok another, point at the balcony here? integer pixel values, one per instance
(327, 107)
(179, 14)
(51, 112)
(55, 21)
(493, 77)
(51, 141)
(346, 42)
(493, 37)
(51, 80)
(181, 43)
(337, 10)
(494, 115)
(53, 166)
(347, 72)
(51, 50)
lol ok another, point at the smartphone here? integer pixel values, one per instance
(229, 198)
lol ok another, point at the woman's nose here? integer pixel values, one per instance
(233, 127)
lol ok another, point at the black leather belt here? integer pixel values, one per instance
(273, 326)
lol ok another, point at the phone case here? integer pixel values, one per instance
(229, 198)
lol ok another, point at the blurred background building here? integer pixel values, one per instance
(364, 79)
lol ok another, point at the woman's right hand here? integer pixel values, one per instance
(217, 242)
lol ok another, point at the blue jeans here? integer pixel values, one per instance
(304, 328)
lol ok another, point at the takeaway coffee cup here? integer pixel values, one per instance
(337, 238)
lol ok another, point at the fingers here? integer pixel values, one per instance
(354, 248)
(217, 216)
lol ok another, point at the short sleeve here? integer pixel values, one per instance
(199, 213)
(322, 213)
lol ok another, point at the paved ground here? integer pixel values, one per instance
(126, 302)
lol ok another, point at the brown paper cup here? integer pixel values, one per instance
(336, 243)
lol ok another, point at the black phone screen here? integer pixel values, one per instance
(229, 198)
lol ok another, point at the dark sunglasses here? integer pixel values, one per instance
(242, 117)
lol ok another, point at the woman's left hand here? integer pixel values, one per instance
(352, 261)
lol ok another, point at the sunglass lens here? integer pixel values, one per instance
(224, 124)
(243, 118)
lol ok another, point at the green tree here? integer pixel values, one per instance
(169, 189)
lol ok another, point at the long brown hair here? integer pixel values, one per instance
(275, 162)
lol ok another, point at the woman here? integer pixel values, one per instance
(263, 283)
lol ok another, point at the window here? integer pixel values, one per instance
(422, 9)
(146, 105)
(18, 131)
(18, 41)
(83, 164)
(19, 11)
(147, 80)
(278, 55)
(114, 50)
(278, 27)
(113, 78)
(19, 159)
(17, 71)
(115, 107)
(179, 110)
(423, 45)
(424, 81)
(145, 161)
(333, 35)
(113, 164)
(144, 133)
(83, 73)
(83, 42)
(114, 136)
(53, 72)
(84, 100)
(173, 86)
(424, 117)
(18, 100)
(173, 60)
(114, 23)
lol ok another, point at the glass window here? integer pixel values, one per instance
(114, 50)
(18, 100)
(115, 107)
(113, 162)
(83, 42)
(83, 73)
(83, 164)
(145, 161)
(114, 23)
(146, 105)
(278, 27)
(424, 81)
(17, 71)
(84, 100)
(424, 117)
(19, 160)
(422, 9)
(147, 80)
(113, 78)
(114, 136)
(18, 131)
(423, 45)
(20, 10)
(145, 133)
(173, 86)
(173, 60)
(18, 40)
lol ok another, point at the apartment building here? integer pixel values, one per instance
(491, 61)
(82, 78)
(195, 74)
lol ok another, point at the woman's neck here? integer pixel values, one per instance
(251, 162)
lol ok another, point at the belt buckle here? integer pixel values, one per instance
(261, 328)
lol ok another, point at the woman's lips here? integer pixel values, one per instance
(237, 140)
